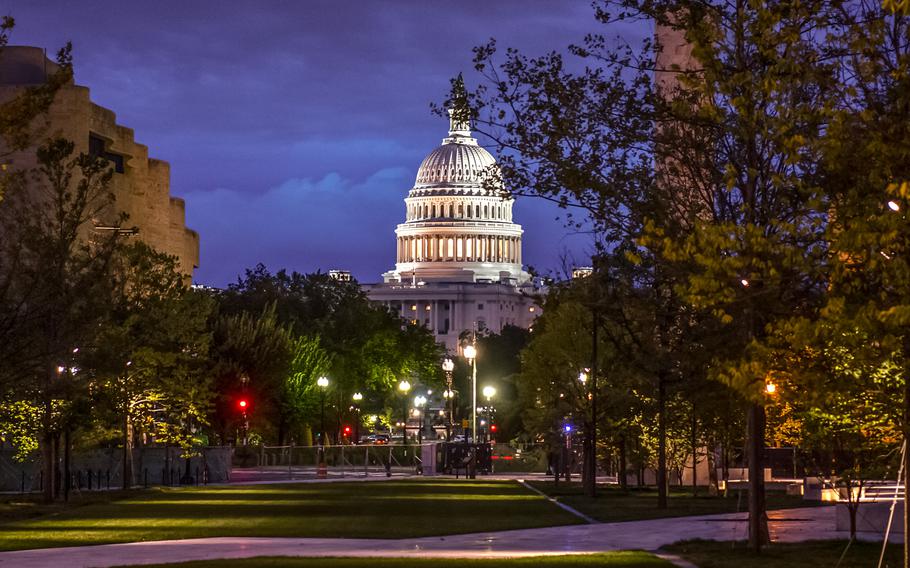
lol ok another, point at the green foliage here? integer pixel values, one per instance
(284, 330)
(20, 425)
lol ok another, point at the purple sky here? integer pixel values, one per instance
(295, 129)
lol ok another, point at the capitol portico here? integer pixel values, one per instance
(458, 256)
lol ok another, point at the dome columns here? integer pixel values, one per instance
(459, 248)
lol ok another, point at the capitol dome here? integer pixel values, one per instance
(457, 161)
(457, 227)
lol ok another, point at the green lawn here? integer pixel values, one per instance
(605, 560)
(388, 509)
(613, 504)
(822, 554)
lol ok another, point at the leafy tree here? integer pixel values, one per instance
(151, 357)
(56, 272)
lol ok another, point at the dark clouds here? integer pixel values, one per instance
(294, 129)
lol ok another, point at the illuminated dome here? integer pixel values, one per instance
(459, 161)
(458, 225)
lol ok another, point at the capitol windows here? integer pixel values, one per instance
(470, 248)
(486, 211)
(458, 248)
(450, 248)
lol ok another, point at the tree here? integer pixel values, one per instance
(151, 356)
(366, 347)
(705, 171)
(56, 271)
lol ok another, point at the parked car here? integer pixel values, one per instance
(378, 439)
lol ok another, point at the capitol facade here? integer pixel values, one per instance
(458, 261)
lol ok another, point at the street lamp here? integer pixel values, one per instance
(419, 402)
(448, 366)
(356, 397)
(404, 386)
(322, 383)
(488, 393)
(470, 353)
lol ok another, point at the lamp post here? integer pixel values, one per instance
(470, 353)
(404, 386)
(488, 393)
(448, 366)
(322, 383)
(419, 402)
(357, 397)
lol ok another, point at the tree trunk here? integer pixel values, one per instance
(694, 441)
(67, 477)
(623, 482)
(591, 446)
(128, 452)
(49, 457)
(758, 520)
(906, 356)
(661, 443)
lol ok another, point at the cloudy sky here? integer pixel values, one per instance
(295, 129)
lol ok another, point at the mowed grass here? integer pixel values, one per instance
(614, 505)
(604, 560)
(386, 509)
(819, 554)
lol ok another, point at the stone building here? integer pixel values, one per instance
(141, 184)
(458, 254)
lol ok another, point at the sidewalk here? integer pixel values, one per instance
(793, 525)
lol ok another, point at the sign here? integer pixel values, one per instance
(465, 423)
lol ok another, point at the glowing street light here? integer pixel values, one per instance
(893, 205)
(470, 353)
(448, 366)
(404, 387)
(322, 383)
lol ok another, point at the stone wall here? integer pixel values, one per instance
(151, 466)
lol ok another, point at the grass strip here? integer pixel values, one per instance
(814, 554)
(393, 509)
(615, 505)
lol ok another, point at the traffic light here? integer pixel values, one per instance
(492, 427)
(243, 404)
(347, 431)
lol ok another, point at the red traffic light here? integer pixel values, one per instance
(492, 427)
(242, 404)
(347, 430)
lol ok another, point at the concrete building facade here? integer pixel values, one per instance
(140, 184)
(458, 254)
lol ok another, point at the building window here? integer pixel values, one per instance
(413, 307)
(479, 306)
(97, 147)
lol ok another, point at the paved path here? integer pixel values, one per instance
(794, 525)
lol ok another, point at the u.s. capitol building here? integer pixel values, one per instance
(458, 262)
